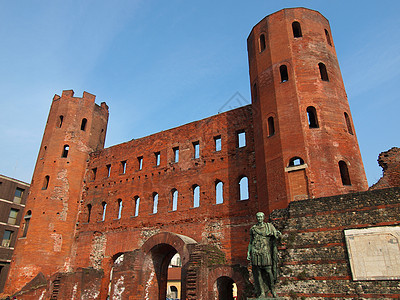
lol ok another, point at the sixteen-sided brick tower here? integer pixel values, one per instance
(103, 222)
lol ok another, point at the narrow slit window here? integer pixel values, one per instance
(255, 92)
(196, 149)
(196, 196)
(176, 154)
(83, 124)
(323, 72)
(155, 203)
(65, 151)
(103, 217)
(158, 158)
(174, 199)
(262, 42)
(348, 123)
(94, 173)
(218, 143)
(241, 136)
(271, 126)
(119, 209)
(108, 170)
(140, 162)
(89, 212)
(60, 121)
(328, 37)
(27, 219)
(312, 117)
(219, 192)
(244, 188)
(46, 182)
(137, 202)
(284, 73)
(296, 29)
(344, 173)
(296, 161)
(123, 167)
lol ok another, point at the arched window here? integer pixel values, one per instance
(46, 182)
(155, 202)
(348, 123)
(244, 188)
(83, 124)
(196, 196)
(312, 117)
(137, 202)
(219, 192)
(174, 292)
(104, 204)
(323, 72)
(344, 173)
(119, 208)
(271, 126)
(296, 29)
(60, 121)
(174, 194)
(296, 161)
(65, 151)
(89, 210)
(262, 42)
(328, 37)
(284, 73)
(27, 219)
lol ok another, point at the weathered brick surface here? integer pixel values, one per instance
(87, 254)
(390, 163)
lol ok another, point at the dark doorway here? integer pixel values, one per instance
(226, 288)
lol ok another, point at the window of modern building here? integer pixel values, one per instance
(271, 126)
(296, 29)
(196, 196)
(155, 203)
(137, 202)
(344, 173)
(348, 123)
(176, 154)
(244, 188)
(104, 205)
(46, 182)
(312, 117)
(262, 42)
(27, 220)
(323, 72)
(140, 162)
(12, 217)
(217, 142)
(328, 37)
(296, 161)
(219, 192)
(241, 136)
(196, 149)
(158, 158)
(7, 238)
(83, 124)
(18, 195)
(119, 201)
(65, 151)
(174, 194)
(284, 73)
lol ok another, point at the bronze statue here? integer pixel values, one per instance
(263, 254)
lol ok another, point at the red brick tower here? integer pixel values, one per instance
(75, 128)
(305, 140)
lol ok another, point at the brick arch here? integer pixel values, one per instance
(226, 271)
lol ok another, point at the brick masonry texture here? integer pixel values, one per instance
(107, 225)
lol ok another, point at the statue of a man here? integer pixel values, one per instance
(263, 254)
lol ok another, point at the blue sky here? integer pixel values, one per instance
(161, 64)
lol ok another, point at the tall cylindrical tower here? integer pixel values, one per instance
(75, 128)
(305, 140)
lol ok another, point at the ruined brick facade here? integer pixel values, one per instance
(109, 220)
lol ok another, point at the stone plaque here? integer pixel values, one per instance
(374, 253)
